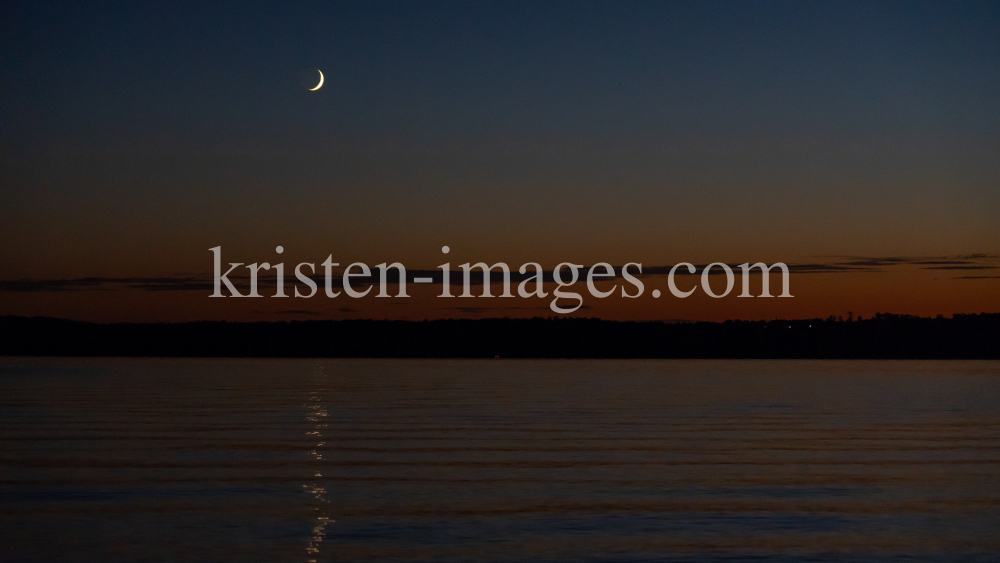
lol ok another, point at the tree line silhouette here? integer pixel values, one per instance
(882, 336)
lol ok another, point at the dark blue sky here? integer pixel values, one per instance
(209, 76)
(133, 136)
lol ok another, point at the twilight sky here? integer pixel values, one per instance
(863, 137)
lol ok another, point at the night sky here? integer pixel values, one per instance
(859, 141)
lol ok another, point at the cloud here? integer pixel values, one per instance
(290, 312)
(792, 268)
(175, 283)
(876, 262)
(980, 261)
(267, 283)
(308, 312)
(960, 268)
(479, 310)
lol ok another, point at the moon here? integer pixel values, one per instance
(320, 85)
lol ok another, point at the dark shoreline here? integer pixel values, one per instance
(882, 337)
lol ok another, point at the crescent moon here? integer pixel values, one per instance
(318, 86)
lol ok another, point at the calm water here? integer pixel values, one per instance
(356, 460)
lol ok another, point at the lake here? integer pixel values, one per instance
(502, 460)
